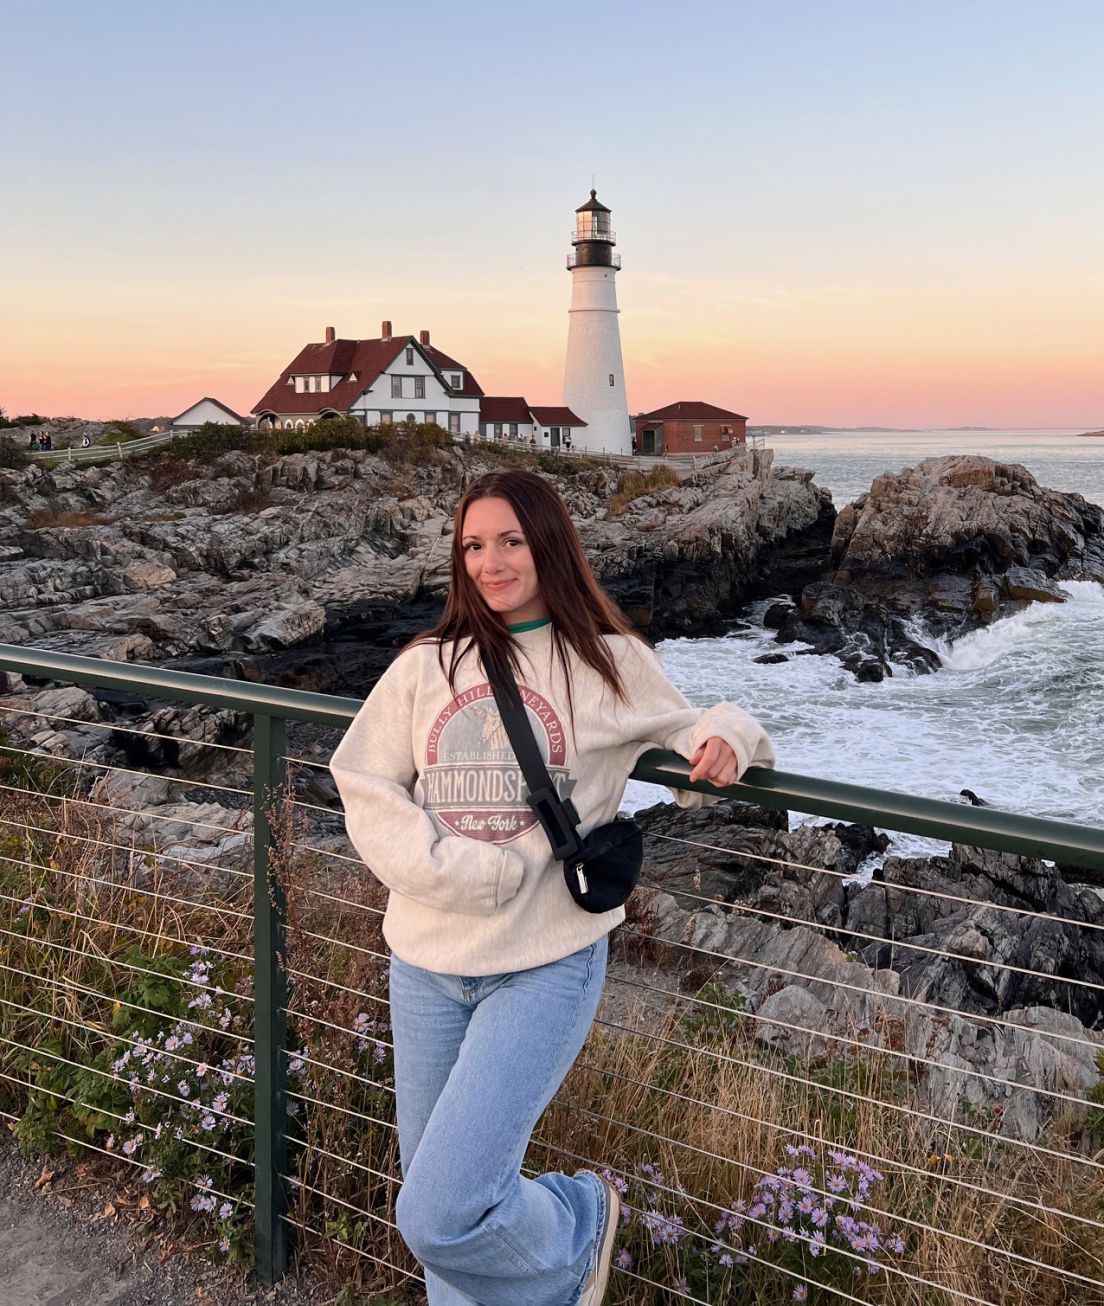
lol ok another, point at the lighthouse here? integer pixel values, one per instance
(594, 376)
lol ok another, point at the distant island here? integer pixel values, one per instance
(1088, 435)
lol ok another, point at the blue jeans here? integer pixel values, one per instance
(477, 1060)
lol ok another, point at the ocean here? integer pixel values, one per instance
(847, 461)
(1016, 710)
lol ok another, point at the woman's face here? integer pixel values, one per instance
(498, 560)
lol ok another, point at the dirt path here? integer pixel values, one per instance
(63, 1242)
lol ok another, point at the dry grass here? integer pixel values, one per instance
(696, 1099)
(51, 517)
(635, 485)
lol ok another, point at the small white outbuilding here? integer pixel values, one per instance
(206, 410)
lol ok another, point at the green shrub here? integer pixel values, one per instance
(398, 441)
(120, 431)
(12, 453)
(25, 419)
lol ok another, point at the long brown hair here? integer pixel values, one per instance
(580, 610)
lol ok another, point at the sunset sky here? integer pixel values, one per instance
(832, 212)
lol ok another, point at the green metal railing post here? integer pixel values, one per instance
(270, 1001)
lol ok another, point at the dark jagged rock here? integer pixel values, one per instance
(727, 853)
(1002, 1006)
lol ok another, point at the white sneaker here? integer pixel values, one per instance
(594, 1290)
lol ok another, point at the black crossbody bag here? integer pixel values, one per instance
(600, 870)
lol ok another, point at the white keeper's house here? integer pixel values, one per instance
(406, 379)
(388, 379)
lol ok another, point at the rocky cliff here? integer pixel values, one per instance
(337, 553)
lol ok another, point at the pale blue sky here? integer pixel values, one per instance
(185, 176)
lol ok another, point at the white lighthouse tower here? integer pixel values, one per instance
(594, 376)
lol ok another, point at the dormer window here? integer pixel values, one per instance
(456, 380)
(410, 357)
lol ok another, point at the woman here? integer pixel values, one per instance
(495, 971)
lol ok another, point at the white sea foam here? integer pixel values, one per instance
(1016, 712)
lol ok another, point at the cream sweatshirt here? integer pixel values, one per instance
(435, 801)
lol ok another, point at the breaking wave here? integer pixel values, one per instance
(1016, 712)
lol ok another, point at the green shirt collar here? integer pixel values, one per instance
(519, 627)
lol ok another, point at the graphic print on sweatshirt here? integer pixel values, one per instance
(471, 781)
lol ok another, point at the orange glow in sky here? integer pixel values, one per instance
(820, 239)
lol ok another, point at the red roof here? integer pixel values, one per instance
(497, 408)
(364, 359)
(471, 387)
(556, 417)
(693, 410)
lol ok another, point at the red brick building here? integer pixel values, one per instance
(689, 426)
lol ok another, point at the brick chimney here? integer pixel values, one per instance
(423, 337)
(329, 335)
(385, 331)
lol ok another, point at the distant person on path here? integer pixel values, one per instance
(86, 442)
(567, 443)
(47, 441)
(34, 440)
(496, 970)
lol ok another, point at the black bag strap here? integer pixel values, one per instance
(559, 819)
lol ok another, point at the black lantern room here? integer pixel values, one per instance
(593, 239)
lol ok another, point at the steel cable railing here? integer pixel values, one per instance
(908, 890)
(989, 1179)
(807, 1137)
(889, 999)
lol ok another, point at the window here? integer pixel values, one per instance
(299, 384)
(498, 430)
(513, 430)
(611, 378)
(456, 380)
(410, 419)
(312, 384)
(385, 419)
(288, 425)
(419, 387)
(396, 387)
(410, 358)
(454, 423)
(431, 418)
(697, 435)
